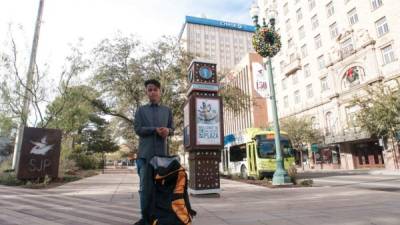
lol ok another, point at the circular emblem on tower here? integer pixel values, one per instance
(205, 72)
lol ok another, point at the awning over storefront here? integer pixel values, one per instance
(230, 138)
(314, 148)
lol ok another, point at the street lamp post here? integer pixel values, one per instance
(280, 176)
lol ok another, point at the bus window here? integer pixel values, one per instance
(237, 153)
(286, 148)
(266, 149)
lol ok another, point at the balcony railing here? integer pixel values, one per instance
(292, 67)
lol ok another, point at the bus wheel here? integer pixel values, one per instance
(243, 172)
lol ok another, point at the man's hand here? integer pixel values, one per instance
(162, 131)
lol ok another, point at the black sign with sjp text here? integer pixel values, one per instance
(40, 153)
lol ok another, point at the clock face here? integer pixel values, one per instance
(205, 72)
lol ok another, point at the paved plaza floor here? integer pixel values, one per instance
(112, 199)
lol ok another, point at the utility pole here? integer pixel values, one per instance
(28, 89)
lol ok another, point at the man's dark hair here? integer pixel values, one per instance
(152, 81)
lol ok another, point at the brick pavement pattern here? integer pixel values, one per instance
(112, 199)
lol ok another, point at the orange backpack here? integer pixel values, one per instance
(170, 203)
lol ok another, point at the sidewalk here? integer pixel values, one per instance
(355, 171)
(112, 199)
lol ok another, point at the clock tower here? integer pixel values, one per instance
(203, 128)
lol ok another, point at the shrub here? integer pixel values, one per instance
(292, 172)
(307, 182)
(10, 179)
(87, 162)
(5, 166)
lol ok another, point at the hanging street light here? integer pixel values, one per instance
(267, 43)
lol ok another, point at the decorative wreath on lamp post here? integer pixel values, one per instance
(267, 42)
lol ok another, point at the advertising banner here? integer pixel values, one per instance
(208, 126)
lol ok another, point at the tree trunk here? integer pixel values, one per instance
(104, 161)
(311, 157)
(394, 149)
(301, 159)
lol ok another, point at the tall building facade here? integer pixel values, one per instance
(255, 115)
(332, 50)
(224, 43)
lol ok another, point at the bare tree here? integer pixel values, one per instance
(13, 84)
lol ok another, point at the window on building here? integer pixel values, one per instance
(288, 26)
(333, 30)
(292, 57)
(297, 97)
(311, 4)
(282, 65)
(295, 79)
(302, 33)
(307, 71)
(351, 115)
(290, 43)
(213, 56)
(309, 91)
(324, 84)
(382, 26)
(330, 10)
(321, 62)
(284, 83)
(286, 101)
(299, 15)
(317, 41)
(314, 22)
(376, 4)
(329, 123)
(285, 8)
(388, 54)
(304, 52)
(347, 47)
(314, 123)
(353, 17)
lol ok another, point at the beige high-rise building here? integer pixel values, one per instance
(255, 115)
(224, 43)
(332, 49)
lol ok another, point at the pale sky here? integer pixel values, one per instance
(65, 21)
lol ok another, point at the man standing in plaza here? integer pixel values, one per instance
(153, 124)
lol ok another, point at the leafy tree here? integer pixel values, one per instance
(301, 132)
(71, 113)
(6, 125)
(122, 65)
(96, 137)
(234, 98)
(379, 113)
(6, 147)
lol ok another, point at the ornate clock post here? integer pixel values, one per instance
(203, 128)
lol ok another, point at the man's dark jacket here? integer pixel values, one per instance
(147, 119)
